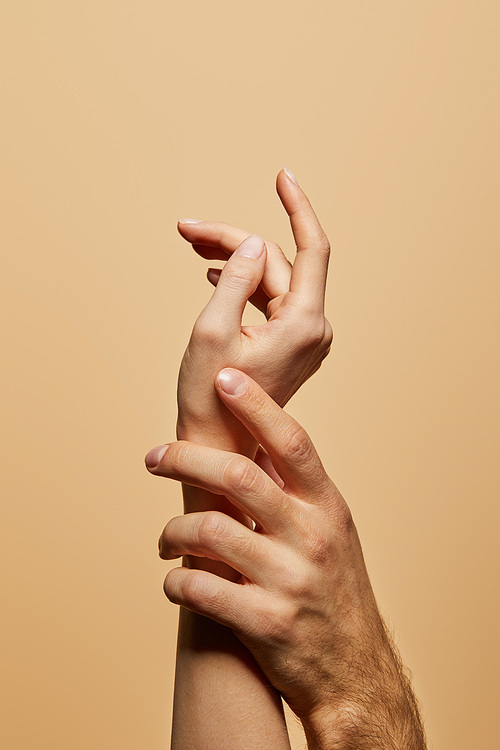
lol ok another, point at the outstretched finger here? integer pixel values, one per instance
(310, 267)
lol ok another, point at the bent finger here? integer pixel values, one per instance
(237, 282)
(237, 606)
(259, 299)
(217, 536)
(223, 473)
(217, 240)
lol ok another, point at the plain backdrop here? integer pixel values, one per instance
(117, 118)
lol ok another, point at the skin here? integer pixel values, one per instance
(282, 353)
(302, 603)
(290, 604)
(221, 696)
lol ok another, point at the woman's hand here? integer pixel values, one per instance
(303, 603)
(280, 354)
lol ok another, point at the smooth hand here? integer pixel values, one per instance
(280, 354)
(303, 603)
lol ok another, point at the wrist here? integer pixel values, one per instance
(222, 431)
(389, 722)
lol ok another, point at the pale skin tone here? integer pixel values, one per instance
(284, 351)
(226, 665)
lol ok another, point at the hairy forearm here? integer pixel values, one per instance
(380, 712)
(390, 727)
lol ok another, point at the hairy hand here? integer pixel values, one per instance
(280, 354)
(303, 603)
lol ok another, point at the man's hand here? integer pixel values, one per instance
(303, 604)
(280, 354)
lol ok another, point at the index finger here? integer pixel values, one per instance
(310, 268)
(289, 446)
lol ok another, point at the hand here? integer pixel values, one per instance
(280, 354)
(303, 604)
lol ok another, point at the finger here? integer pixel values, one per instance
(287, 443)
(223, 473)
(213, 275)
(237, 282)
(216, 240)
(216, 536)
(237, 606)
(259, 299)
(265, 463)
(310, 267)
(210, 253)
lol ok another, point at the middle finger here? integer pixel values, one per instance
(217, 240)
(219, 537)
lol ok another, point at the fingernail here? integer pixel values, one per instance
(190, 221)
(252, 247)
(232, 382)
(154, 456)
(290, 175)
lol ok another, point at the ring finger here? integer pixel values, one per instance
(219, 537)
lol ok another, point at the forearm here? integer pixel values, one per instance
(221, 697)
(354, 730)
(379, 712)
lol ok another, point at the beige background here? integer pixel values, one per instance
(120, 116)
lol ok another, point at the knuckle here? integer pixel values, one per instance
(316, 336)
(204, 331)
(297, 581)
(297, 445)
(327, 335)
(315, 332)
(274, 622)
(194, 591)
(169, 547)
(238, 274)
(162, 544)
(312, 334)
(317, 547)
(212, 527)
(241, 475)
(170, 587)
(340, 520)
(323, 244)
(177, 458)
(344, 522)
(188, 590)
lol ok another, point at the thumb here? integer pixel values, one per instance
(238, 280)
